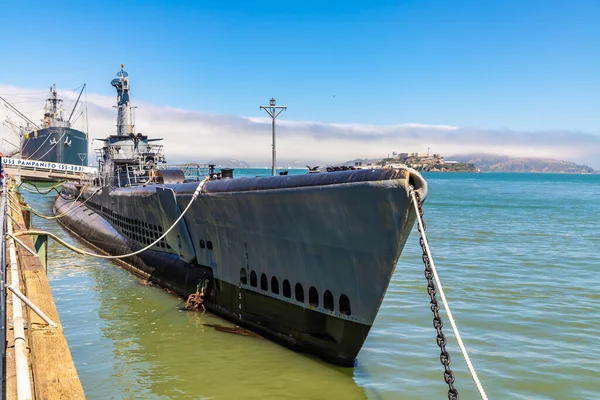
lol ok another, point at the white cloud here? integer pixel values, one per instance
(197, 136)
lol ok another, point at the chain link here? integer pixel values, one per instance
(435, 308)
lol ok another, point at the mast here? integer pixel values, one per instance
(121, 83)
(76, 102)
(19, 113)
(53, 111)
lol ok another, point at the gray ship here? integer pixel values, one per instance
(54, 140)
(304, 260)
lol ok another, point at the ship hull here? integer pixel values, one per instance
(55, 144)
(303, 260)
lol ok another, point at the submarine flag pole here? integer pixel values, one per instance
(274, 111)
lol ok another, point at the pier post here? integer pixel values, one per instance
(40, 350)
(40, 241)
(3, 214)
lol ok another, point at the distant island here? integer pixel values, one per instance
(436, 163)
(494, 163)
(475, 163)
(424, 162)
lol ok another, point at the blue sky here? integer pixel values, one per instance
(510, 74)
(491, 64)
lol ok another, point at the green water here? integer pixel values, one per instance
(518, 257)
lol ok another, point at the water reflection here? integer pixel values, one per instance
(173, 354)
(130, 340)
(514, 251)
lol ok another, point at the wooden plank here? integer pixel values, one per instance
(55, 376)
(9, 358)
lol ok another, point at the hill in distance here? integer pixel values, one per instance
(495, 163)
(485, 162)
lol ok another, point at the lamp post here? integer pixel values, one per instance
(273, 110)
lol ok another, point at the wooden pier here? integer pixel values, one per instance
(46, 171)
(50, 371)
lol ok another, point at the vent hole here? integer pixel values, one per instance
(264, 284)
(313, 297)
(328, 300)
(345, 305)
(287, 289)
(274, 285)
(299, 293)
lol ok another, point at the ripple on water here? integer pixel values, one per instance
(518, 259)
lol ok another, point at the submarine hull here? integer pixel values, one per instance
(304, 260)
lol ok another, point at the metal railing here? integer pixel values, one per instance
(128, 151)
(191, 171)
(137, 174)
(2, 281)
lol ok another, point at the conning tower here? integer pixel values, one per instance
(124, 117)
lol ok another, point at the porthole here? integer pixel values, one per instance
(328, 300)
(243, 276)
(345, 305)
(274, 285)
(209, 245)
(202, 244)
(253, 279)
(313, 297)
(264, 284)
(299, 293)
(287, 290)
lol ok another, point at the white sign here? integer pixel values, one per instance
(17, 162)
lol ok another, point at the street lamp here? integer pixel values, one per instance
(273, 110)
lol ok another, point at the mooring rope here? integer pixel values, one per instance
(74, 202)
(444, 301)
(71, 207)
(87, 253)
(53, 146)
(37, 189)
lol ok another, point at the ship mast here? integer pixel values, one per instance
(19, 113)
(121, 83)
(53, 112)
(76, 103)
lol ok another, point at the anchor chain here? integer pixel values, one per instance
(435, 308)
(195, 301)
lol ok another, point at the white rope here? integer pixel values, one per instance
(25, 185)
(443, 296)
(40, 146)
(50, 149)
(80, 251)
(74, 205)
